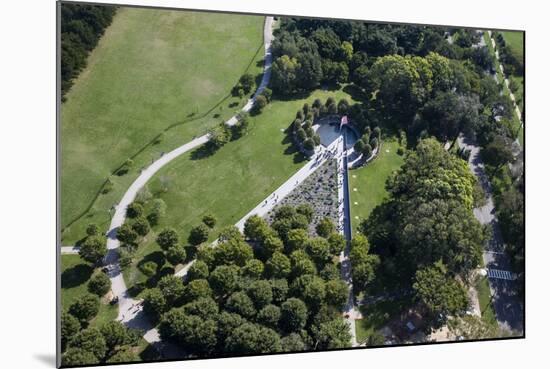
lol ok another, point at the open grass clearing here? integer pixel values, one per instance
(152, 69)
(370, 181)
(230, 182)
(485, 303)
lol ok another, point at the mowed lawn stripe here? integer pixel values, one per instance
(151, 69)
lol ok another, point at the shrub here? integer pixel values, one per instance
(92, 230)
(400, 151)
(99, 284)
(149, 268)
(260, 103)
(125, 168)
(267, 93)
(359, 146)
(301, 134)
(107, 186)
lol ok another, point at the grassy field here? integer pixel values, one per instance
(75, 274)
(370, 181)
(152, 70)
(484, 296)
(231, 181)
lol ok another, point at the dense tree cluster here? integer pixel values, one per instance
(427, 221)
(81, 27)
(273, 289)
(112, 342)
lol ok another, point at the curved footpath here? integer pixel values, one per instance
(130, 310)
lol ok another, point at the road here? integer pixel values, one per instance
(507, 305)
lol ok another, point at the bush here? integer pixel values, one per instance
(301, 134)
(99, 284)
(107, 186)
(247, 82)
(260, 103)
(267, 93)
(209, 220)
(359, 146)
(400, 151)
(92, 230)
(125, 168)
(367, 151)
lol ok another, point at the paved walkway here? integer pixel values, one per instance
(508, 308)
(69, 250)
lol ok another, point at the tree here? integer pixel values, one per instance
(296, 240)
(498, 152)
(196, 334)
(309, 145)
(314, 291)
(198, 234)
(141, 226)
(234, 251)
(167, 238)
(336, 242)
(255, 228)
(334, 334)
(126, 355)
(252, 338)
(134, 210)
(224, 279)
(241, 304)
(69, 327)
(253, 269)
(284, 73)
(293, 343)
(204, 307)
(209, 220)
(172, 288)
(227, 323)
(199, 270)
(90, 340)
(115, 335)
(336, 293)
(293, 314)
(260, 103)
(197, 288)
(126, 234)
(301, 263)
(230, 232)
(76, 356)
(248, 82)
(92, 229)
(269, 316)
(306, 210)
(439, 293)
(359, 146)
(363, 264)
(325, 227)
(93, 249)
(260, 293)
(271, 244)
(85, 308)
(329, 272)
(318, 247)
(99, 284)
(154, 303)
(278, 266)
(176, 254)
(279, 288)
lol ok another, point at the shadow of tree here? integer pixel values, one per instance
(204, 151)
(76, 275)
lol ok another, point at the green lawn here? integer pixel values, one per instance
(370, 181)
(376, 315)
(75, 274)
(152, 70)
(484, 296)
(232, 181)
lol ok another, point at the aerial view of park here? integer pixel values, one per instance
(237, 184)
